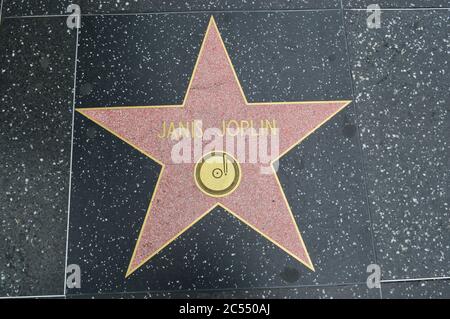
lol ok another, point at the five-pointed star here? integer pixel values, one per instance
(214, 94)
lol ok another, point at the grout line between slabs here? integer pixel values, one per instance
(195, 291)
(232, 289)
(186, 291)
(212, 290)
(385, 281)
(37, 16)
(221, 11)
(212, 11)
(32, 297)
(363, 160)
(173, 12)
(71, 152)
(1, 11)
(401, 9)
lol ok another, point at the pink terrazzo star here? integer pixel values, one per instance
(214, 94)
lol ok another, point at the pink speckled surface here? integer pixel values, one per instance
(214, 95)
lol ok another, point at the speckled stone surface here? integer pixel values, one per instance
(390, 144)
(432, 289)
(362, 4)
(57, 7)
(401, 81)
(35, 7)
(155, 62)
(103, 6)
(325, 292)
(283, 47)
(44, 7)
(322, 177)
(36, 80)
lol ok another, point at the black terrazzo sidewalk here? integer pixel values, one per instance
(370, 186)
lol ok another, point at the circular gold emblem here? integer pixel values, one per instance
(217, 174)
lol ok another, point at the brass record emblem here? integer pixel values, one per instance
(217, 174)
